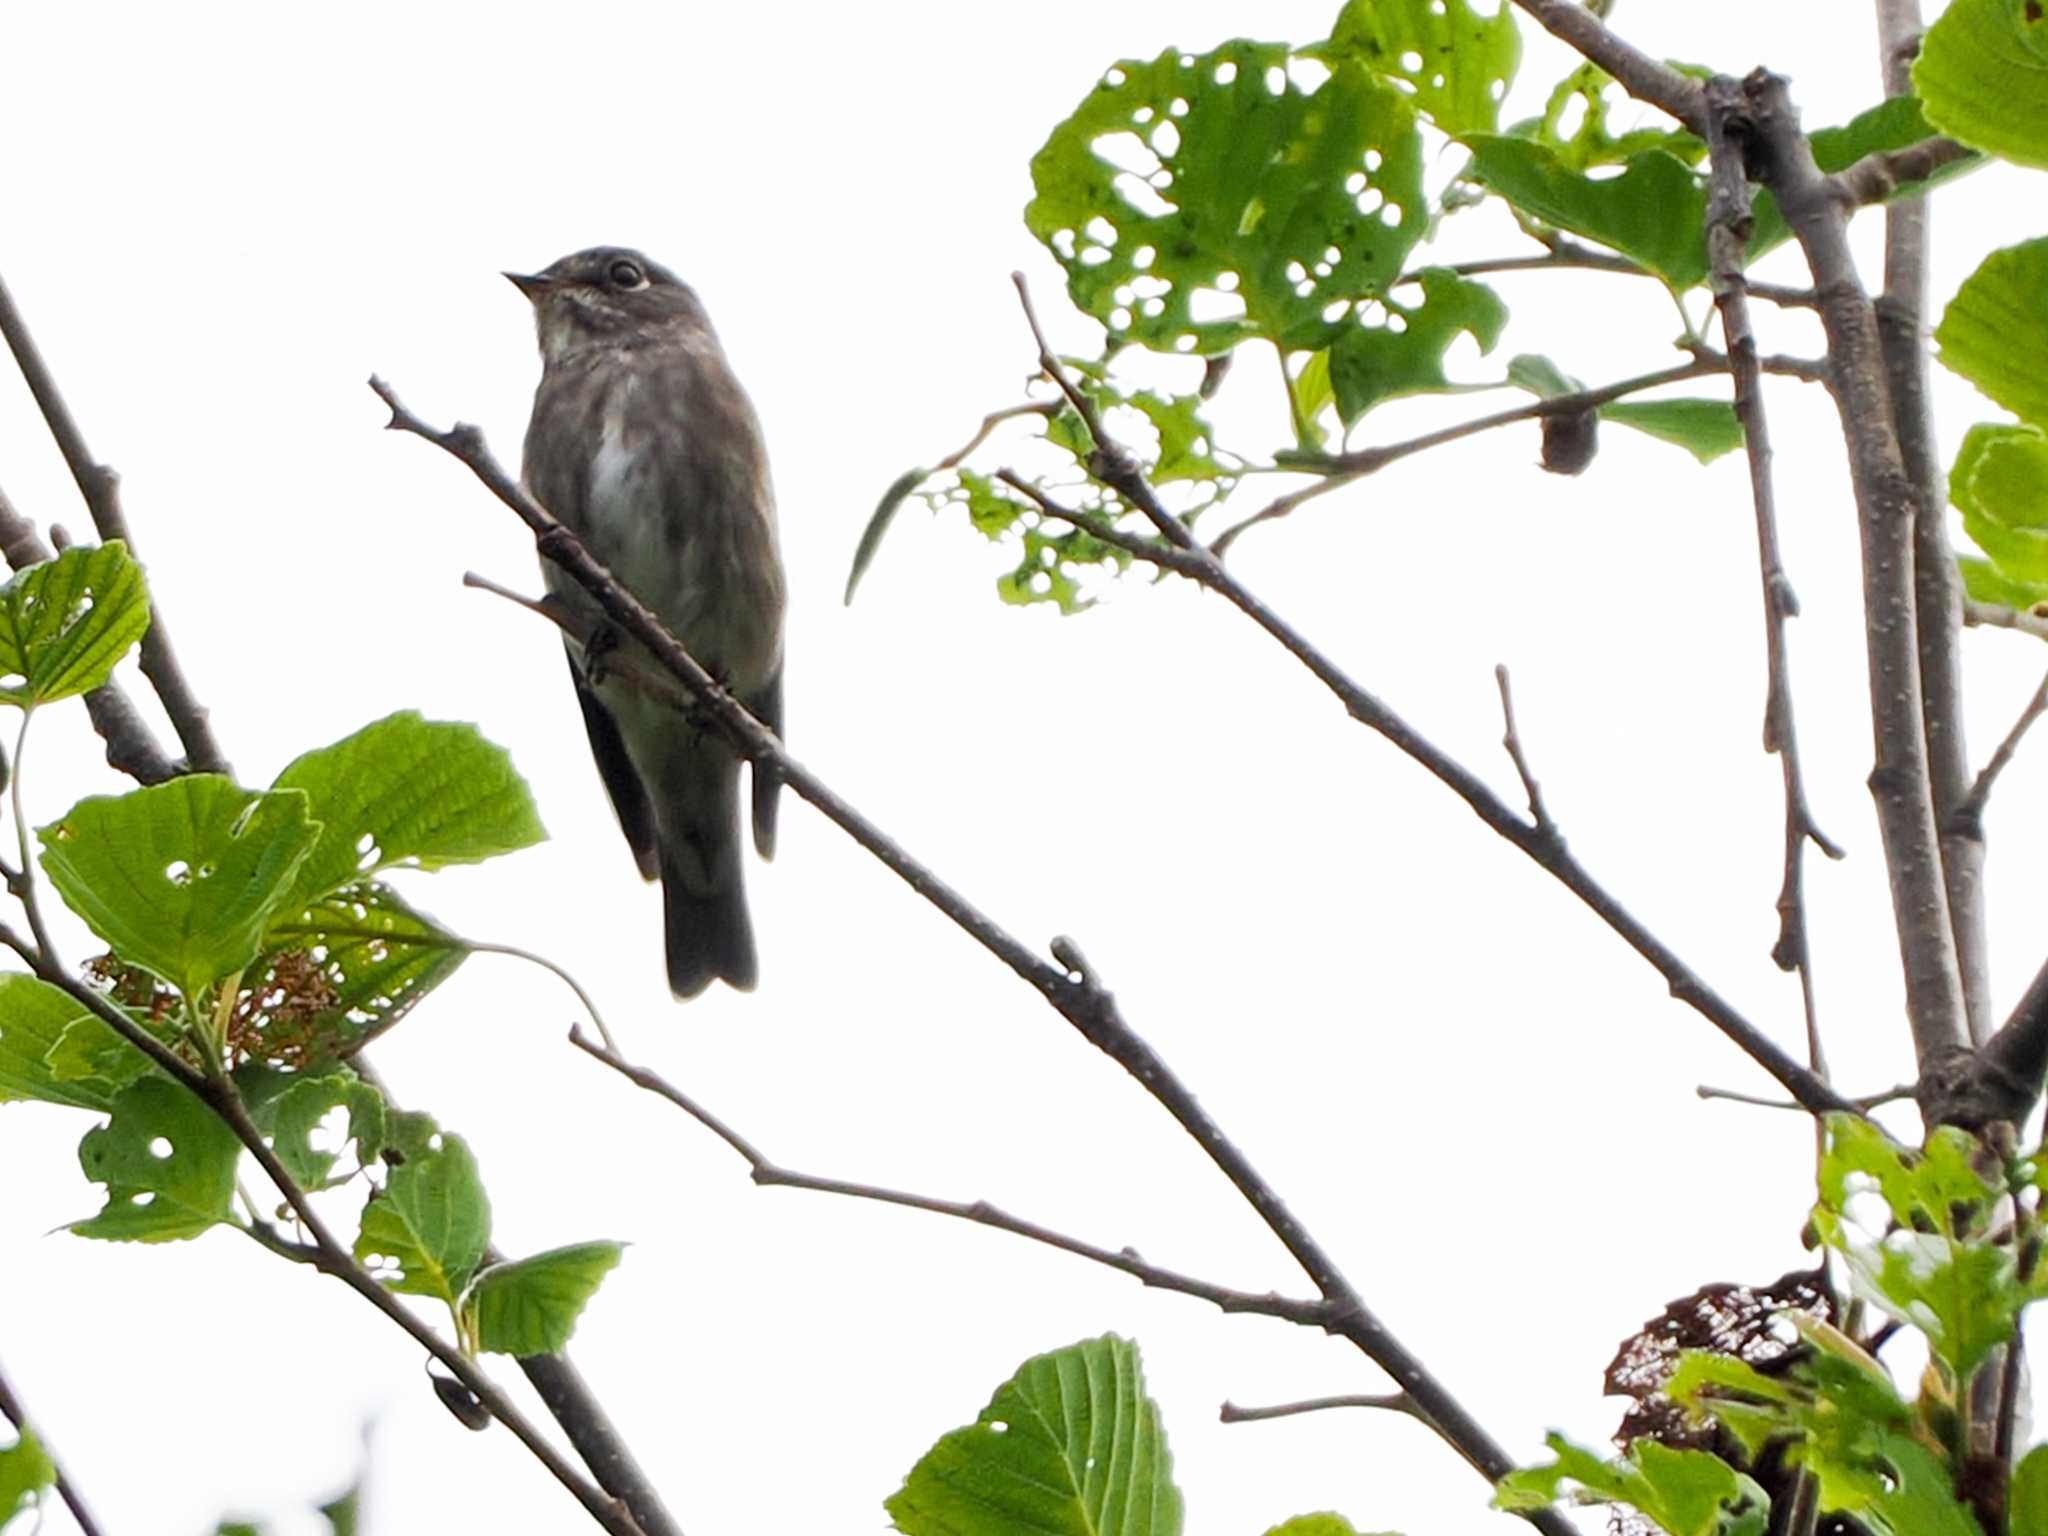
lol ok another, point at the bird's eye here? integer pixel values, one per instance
(627, 275)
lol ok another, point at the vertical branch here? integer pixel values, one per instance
(1728, 223)
(100, 487)
(1937, 590)
(1887, 503)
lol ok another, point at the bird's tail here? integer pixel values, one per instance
(704, 895)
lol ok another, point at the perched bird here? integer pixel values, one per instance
(644, 444)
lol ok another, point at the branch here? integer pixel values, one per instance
(1564, 255)
(1392, 1402)
(1996, 616)
(1866, 1102)
(131, 745)
(1888, 503)
(325, 1253)
(1878, 175)
(1071, 990)
(1640, 75)
(11, 1410)
(100, 487)
(1728, 227)
(1966, 821)
(1312, 1313)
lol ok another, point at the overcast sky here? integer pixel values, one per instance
(221, 219)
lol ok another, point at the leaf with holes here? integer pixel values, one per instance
(288, 1107)
(340, 971)
(34, 1019)
(1583, 100)
(1071, 1443)
(181, 878)
(1371, 363)
(530, 1306)
(65, 622)
(1983, 75)
(1999, 482)
(1199, 200)
(1453, 63)
(167, 1161)
(1654, 212)
(422, 793)
(429, 1224)
(1995, 330)
(1685, 1492)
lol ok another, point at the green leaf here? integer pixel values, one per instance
(34, 1017)
(1541, 377)
(167, 1161)
(1894, 123)
(89, 1058)
(1983, 582)
(288, 1106)
(1706, 429)
(1069, 1445)
(1654, 212)
(65, 622)
(1688, 1493)
(342, 970)
(1236, 204)
(181, 878)
(1374, 362)
(1322, 1524)
(878, 524)
(421, 793)
(1462, 62)
(430, 1223)
(1995, 330)
(1997, 484)
(2027, 1500)
(1592, 92)
(343, 1512)
(530, 1306)
(1983, 75)
(26, 1472)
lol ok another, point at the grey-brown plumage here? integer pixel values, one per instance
(644, 444)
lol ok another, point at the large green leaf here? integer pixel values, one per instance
(288, 1106)
(2027, 1502)
(1995, 330)
(341, 970)
(1371, 362)
(427, 1228)
(530, 1306)
(1999, 482)
(65, 622)
(180, 878)
(33, 1017)
(1654, 212)
(422, 793)
(1983, 75)
(167, 1161)
(1687, 1493)
(26, 1472)
(1229, 183)
(1452, 62)
(1070, 1444)
(1706, 429)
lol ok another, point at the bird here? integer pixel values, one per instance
(644, 444)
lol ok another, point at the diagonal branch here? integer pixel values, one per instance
(11, 1410)
(765, 1172)
(1728, 225)
(1068, 987)
(1641, 76)
(100, 487)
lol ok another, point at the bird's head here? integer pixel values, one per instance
(607, 296)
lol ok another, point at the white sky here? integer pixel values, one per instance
(220, 220)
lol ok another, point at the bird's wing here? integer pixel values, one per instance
(621, 779)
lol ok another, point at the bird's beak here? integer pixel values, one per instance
(532, 284)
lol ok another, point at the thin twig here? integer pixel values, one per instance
(1867, 1102)
(1078, 998)
(1997, 616)
(1967, 819)
(11, 1410)
(1728, 228)
(100, 487)
(1391, 1402)
(1511, 739)
(1568, 256)
(1880, 174)
(767, 1173)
